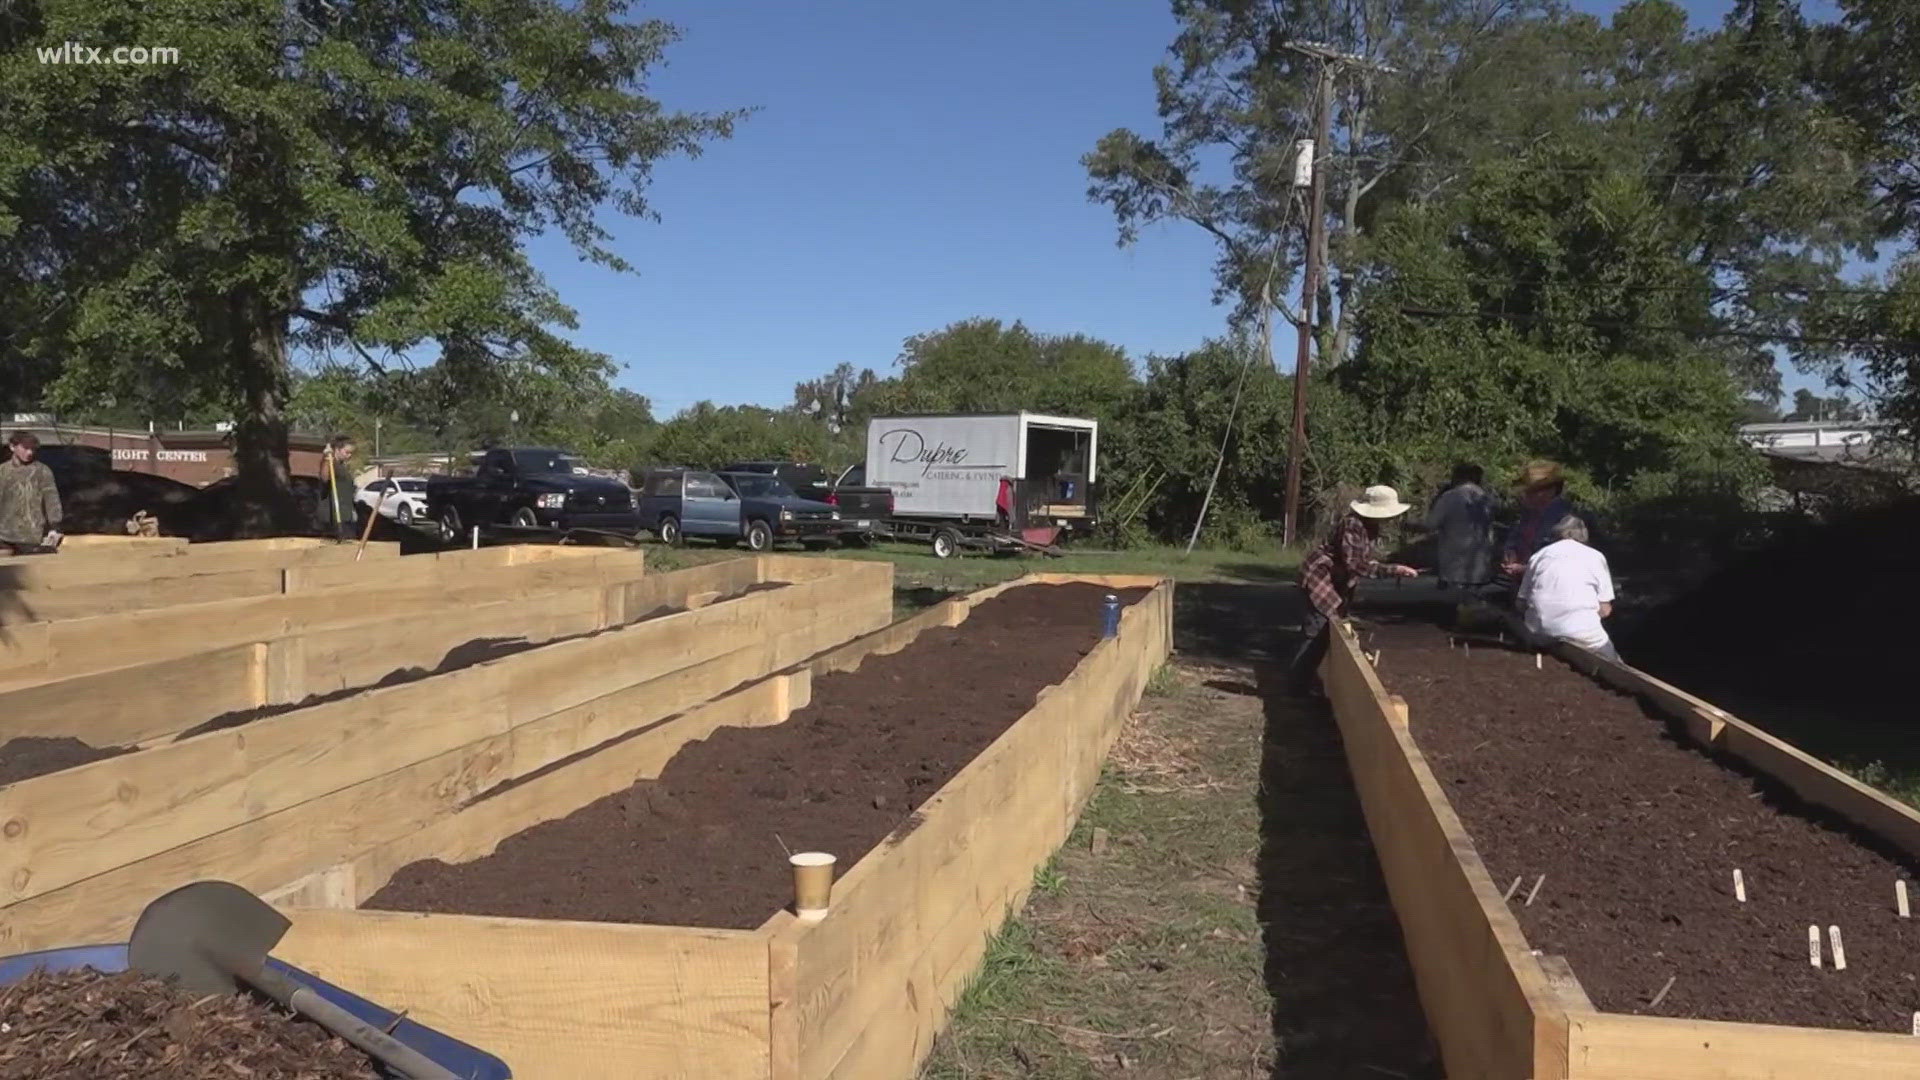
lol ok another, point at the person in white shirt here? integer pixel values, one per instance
(1567, 590)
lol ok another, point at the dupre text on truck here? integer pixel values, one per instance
(986, 482)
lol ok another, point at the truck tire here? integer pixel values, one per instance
(759, 537)
(669, 531)
(946, 543)
(524, 518)
(450, 526)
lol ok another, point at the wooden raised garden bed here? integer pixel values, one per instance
(944, 766)
(93, 714)
(46, 588)
(1623, 820)
(306, 597)
(276, 804)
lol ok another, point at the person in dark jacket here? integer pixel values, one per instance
(340, 487)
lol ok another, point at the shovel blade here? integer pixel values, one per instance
(209, 935)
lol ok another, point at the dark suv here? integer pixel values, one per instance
(759, 510)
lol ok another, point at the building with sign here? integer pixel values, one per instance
(195, 457)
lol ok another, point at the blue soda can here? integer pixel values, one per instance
(1110, 617)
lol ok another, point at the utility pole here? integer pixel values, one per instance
(1309, 293)
(1316, 264)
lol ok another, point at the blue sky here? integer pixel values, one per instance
(910, 165)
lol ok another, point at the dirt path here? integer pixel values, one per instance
(1234, 924)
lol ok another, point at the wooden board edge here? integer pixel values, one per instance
(557, 1000)
(1618, 1046)
(1527, 1035)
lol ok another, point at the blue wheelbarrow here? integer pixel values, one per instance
(189, 934)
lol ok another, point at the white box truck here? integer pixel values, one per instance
(987, 482)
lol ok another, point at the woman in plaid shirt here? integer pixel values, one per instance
(1334, 568)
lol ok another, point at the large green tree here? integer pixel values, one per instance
(351, 177)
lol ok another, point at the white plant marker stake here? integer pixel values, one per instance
(1839, 954)
(1513, 888)
(1900, 895)
(1535, 891)
(1536, 662)
(1739, 887)
(1813, 945)
(1916, 1023)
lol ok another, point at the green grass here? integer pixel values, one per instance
(915, 568)
(1145, 960)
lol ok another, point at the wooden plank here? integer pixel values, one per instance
(1609, 1046)
(557, 1000)
(67, 573)
(67, 826)
(1487, 1000)
(130, 705)
(110, 598)
(1566, 985)
(43, 651)
(873, 982)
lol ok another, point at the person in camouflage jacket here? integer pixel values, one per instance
(29, 502)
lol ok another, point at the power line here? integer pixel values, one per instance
(1568, 170)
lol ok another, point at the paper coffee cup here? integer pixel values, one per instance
(812, 883)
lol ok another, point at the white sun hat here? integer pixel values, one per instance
(1379, 501)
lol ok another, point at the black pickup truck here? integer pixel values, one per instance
(529, 488)
(863, 510)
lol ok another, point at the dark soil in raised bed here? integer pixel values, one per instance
(702, 845)
(35, 755)
(84, 1025)
(1638, 834)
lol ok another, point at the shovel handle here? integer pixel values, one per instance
(377, 1044)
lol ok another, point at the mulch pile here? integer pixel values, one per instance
(84, 1025)
(702, 845)
(1811, 638)
(1638, 835)
(34, 755)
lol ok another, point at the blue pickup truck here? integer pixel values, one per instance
(754, 509)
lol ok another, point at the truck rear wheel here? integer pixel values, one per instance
(946, 543)
(450, 530)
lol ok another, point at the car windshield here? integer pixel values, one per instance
(761, 487)
(544, 461)
(413, 485)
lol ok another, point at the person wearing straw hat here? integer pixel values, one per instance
(1542, 505)
(1332, 570)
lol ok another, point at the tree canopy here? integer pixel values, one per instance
(352, 179)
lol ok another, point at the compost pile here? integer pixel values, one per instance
(1810, 638)
(1637, 835)
(702, 845)
(36, 755)
(85, 1024)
